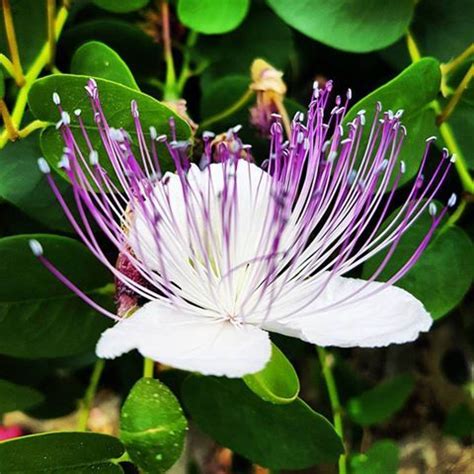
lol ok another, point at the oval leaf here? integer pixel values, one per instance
(442, 275)
(412, 91)
(152, 426)
(17, 397)
(290, 436)
(61, 452)
(98, 60)
(39, 316)
(365, 25)
(210, 18)
(115, 100)
(381, 402)
(277, 382)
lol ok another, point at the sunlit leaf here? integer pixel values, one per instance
(361, 26)
(152, 426)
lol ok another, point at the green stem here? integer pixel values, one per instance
(229, 111)
(326, 361)
(454, 217)
(170, 90)
(86, 402)
(31, 127)
(413, 49)
(148, 367)
(185, 73)
(38, 65)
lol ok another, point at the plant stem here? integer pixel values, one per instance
(7, 64)
(327, 361)
(31, 76)
(31, 127)
(185, 70)
(10, 128)
(454, 217)
(455, 98)
(148, 367)
(86, 402)
(413, 50)
(12, 43)
(51, 12)
(170, 91)
(448, 68)
(229, 111)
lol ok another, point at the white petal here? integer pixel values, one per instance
(188, 341)
(390, 316)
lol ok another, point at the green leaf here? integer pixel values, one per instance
(442, 275)
(67, 452)
(98, 60)
(132, 44)
(39, 316)
(262, 34)
(115, 100)
(462, 124)
(30, 35)
(17, 397)
(381, 457)
(443, 29)
(209, 17)
(290, 436)
(122, 6)
(361, 26)
(460, 421)
(152, 426)
(23, 185)
(412, 90)
(381, 402)
(277, 382)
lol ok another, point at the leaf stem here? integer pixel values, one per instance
(148, 367)
(170, 90)
(454, 217)
(86, 402)
(10, 128)
(326, 360)
(51, 13)
(7, 64)
(12, 43)
(30, 77)
(185, 73)
(413, 49)
(456, 97)
(448, 68)
(237, 105)
(31, 127)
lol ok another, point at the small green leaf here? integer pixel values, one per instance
(412, 91)
(121, 6)
(61, 452)
(115, 100)
(23, 185)
(277, 382)
(209, 17)
(357, 26)
(152, 426)
(98, 60)
(442, 275)
(381, 457)
(290, 436)
(381, 402)
(39, 316)
(17, 397)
